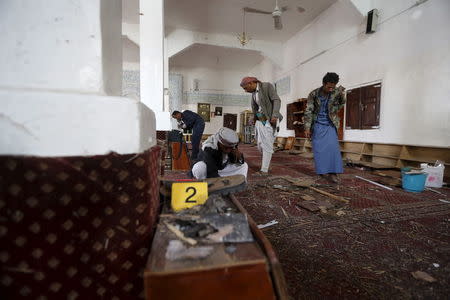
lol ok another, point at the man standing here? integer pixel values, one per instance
(266, 108)
(220, 156)
(321, 125)
(190, 120)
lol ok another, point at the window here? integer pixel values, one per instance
(363, 107)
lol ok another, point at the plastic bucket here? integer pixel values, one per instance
(413, 182)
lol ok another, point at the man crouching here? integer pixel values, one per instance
(220, 156)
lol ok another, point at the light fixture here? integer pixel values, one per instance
(243, 38)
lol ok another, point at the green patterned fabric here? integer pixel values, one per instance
(337, 101)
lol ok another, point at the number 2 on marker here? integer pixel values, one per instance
(192, 195)
(188, 194)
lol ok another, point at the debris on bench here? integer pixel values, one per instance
(177, 251)
(180, 235)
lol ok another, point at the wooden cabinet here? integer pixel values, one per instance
(385, 156)
(246, 127)
(295, 118)
(230, 121)
(295, 113)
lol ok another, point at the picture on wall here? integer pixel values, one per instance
(218, 111)
(204, 109)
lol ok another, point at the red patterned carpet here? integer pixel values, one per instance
(366, 249)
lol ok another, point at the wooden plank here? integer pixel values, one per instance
(384, 161)
(309, 206)
(425, 154)
(240, 274)
(351, 146)
(372, 165)
(180, 159)
(275, 266)
(239, 282)
(246, 253)
(289, 143)
(386, 150)
(389, 173)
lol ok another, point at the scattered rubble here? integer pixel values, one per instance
(176, 251)
(423, 276)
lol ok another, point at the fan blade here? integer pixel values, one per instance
(277, 22)
(284, 8)
(256, 11)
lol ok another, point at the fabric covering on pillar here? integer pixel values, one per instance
(77, 227)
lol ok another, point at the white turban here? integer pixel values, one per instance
(225, 136)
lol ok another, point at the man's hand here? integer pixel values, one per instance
(237, 153)
(273, 121)
(341, 90)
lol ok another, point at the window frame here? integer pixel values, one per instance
(366, 98)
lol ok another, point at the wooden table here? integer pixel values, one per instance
(250, 272)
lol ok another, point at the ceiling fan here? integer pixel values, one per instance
(276, 13)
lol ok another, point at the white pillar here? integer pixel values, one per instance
(61, 45)
(152, 59)
(61, 68)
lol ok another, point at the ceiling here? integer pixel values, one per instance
(225, 16)
(209, 56)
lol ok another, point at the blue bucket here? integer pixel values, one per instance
(413, 182)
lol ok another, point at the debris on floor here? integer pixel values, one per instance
(374, 183)
(307, 197)
(176, 251)
(363, 248)
(268, 224)
(423, 276)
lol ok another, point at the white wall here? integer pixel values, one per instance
(130, 55)
(62, 52)
(213, 81)
(217, 121)
(265, 71)
(410, 54)
(58, 59)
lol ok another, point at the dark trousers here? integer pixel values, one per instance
(197, 132)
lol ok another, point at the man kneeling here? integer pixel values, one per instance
(220, 156)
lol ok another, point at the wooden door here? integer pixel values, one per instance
(341, 125)
(370, 106)
(230, 121)
(352, 115)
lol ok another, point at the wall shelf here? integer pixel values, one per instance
(379, 155)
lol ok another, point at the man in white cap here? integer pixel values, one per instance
(220, 156)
